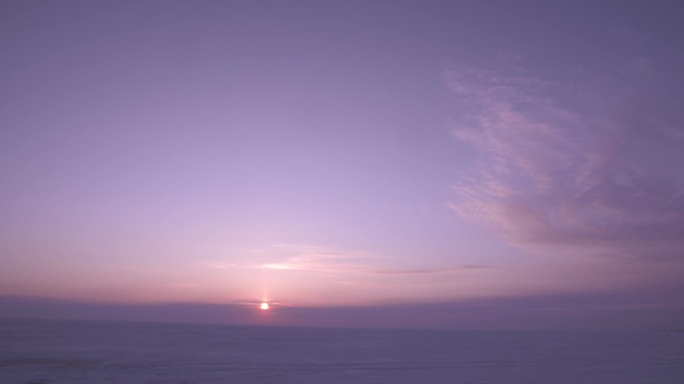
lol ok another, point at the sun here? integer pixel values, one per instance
(264, 306)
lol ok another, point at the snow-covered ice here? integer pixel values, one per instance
(47, 352)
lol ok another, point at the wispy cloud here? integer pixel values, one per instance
(302, 257)
(309, 257)
(590, 166)
(428, 271)
(315, 258)
(216, 265)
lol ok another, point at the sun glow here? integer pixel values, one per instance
(264, 306)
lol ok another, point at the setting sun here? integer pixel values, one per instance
(264, 306)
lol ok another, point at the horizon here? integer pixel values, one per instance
(560, 313)
(393, 163)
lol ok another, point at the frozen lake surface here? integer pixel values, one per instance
(42, 352)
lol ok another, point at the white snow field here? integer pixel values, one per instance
(46, 352)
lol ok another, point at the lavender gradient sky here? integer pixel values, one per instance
(389, 154)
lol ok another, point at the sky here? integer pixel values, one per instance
(380, 163)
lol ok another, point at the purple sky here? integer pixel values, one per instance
(357, 160)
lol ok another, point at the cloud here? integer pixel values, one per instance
(315, 258)
(216, 265)
(428, 271)
(577, 166)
